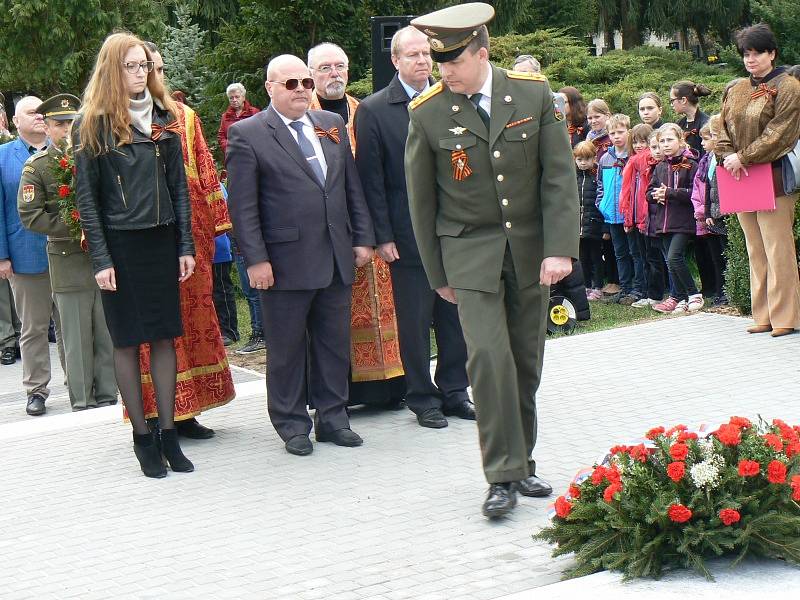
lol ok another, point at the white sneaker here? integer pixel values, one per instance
(695, 303)
(644, 302)
(681, 308)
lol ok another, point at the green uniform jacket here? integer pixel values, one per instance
(521, 191)
(70, 267)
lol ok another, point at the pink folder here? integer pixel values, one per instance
(749, 194)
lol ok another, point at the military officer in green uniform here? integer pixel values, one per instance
(88, 352)
(492, 193)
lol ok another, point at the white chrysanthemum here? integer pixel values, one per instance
(706, 446)
(707, 472)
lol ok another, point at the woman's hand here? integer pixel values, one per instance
(733, 165)
(660, 194)
(710, 222)
(106, 280)
(185, 267)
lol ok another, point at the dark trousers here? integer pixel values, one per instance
(610, 261)
(639, 262)
(251, 295)
(710, 256)
(225, 300)
(717, 245)
(624, 258)
(673, 247)
(307, 335)
(591, 254)
(650, 249)
(417, 306)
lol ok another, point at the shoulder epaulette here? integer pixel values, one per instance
(525, 75)
(36, 155)
(427, 95)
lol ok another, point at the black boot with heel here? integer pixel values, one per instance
(172, 452)
(144, 446)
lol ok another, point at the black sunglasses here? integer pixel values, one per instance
(291, 84)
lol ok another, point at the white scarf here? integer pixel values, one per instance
(142, 113)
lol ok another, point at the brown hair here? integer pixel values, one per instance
(715, 124)
(598, 105)
(584, 149)
(639, 133)
(106, 100)
(577, 105)
(653, 96)
(617, 120)
(705, 130)
(690, 90)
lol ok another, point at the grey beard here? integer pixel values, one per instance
(335, 90)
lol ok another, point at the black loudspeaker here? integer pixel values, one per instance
(383, 28)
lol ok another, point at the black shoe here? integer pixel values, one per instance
(172, 452)
(464, 410)
(340, 437)
(191, 429)
(8, 356)
(432, 418)
(613, 298)
(534, 487)
(501, 499)
(254, 344)
(144, 446)
(299, 445)
(36, 405)
(226, 341)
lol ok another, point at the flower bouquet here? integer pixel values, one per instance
(679, 498)
(64, 171)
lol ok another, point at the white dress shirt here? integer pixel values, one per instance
(308, 131)
(486, 90)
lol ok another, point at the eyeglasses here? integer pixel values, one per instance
(341, 67)
(291, 84)
(671, 100)
(133, 67)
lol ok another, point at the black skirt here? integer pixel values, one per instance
(146, 305)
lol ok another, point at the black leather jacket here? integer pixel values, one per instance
(133, 186)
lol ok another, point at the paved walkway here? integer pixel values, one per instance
(397, 518)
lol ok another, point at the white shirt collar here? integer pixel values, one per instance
(486, 89)
(410, 90)
(304, 119)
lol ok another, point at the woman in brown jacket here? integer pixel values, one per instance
(761, 124)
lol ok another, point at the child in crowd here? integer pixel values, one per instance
(609, 185)
(591, 224)
(577, 124)
(650, 109)
(597, 115)
(684, 97)
(670, 190)
(705, 197)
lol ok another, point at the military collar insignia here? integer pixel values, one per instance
(455, 108)
(457, 130)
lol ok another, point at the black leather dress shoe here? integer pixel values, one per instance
(534, 487)
(463, 410)
(340, 437)
(432, 418)
(299, 445)
(36, 406)
(501, 499)
(191, 429)
(8, 356)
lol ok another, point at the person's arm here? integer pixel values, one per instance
(782, 132)
(33, 211)
(172, 155)
(360, 221)
(4, 251)
(369, 161)
(87, 194)
(625, 195)
(222, 136)
(699, 192)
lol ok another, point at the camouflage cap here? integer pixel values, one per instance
(451, 29)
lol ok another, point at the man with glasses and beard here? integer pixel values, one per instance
(302, 225)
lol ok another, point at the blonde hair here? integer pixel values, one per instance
(705, 130)
(584, 149)
(618, 119)
(106, 100)
(598, 105)
(674, 128)
(653, 136)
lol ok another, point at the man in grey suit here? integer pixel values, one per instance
(301, 223)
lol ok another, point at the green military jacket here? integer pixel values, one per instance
(472, 192)
(37, 202)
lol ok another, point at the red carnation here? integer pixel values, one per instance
(672, 430)
(684, 436)
(598, 475)
(792, 448)
(676, 471)
(679, 513)
(639, 453)
(749, 468)
(729, 516)
(783, 427)
(773, 441)
(64, 163)
(740, 421)
(679, 451)
(619, 449)
(574, 491)
(613, 475)
(730, 435)
(76, 216)
(795, 487)
(563, 507)
(63, 190)
(654, 432)
(608, 494)
(776, 472)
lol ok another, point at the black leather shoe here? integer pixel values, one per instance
(148, 455)
(534, 487)
(501, 499)
(173, 453)
(340, 437)
(299, 445)
(190, 428)
(464, 410)
(36, 406)
(8, 356)
(432, 418)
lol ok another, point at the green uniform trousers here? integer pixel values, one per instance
(9, 323)
(505, 333)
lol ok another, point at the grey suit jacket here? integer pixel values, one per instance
(280, 211)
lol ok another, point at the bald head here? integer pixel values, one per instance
(291, 103)
(280, 65)
(29, 123)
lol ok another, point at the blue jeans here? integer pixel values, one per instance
(624, 258)
(639, 272)
(251, 295)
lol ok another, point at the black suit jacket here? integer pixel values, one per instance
(280, 211)
(381, 124)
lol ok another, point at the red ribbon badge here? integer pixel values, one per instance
(332, 133)
(460, 162)
(158, 130)
(762, 89)
(573, 130)
(688, 133)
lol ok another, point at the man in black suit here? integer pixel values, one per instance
(381, 128)
(301, 223)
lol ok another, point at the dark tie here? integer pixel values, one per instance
(415, 95)
(475, 99)
(308, 151)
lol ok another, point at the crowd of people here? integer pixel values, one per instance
(357, 227)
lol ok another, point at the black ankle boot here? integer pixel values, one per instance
(172, 451)
(152, 424)
(144, 446)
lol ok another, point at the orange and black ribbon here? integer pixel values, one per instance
(158, 130)
(689, 132)
(332, 133)
(573, 130)
(681, 165)
(762, 89)
(520, 122)
(460, 162)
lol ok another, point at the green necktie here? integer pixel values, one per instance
(476, 99)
